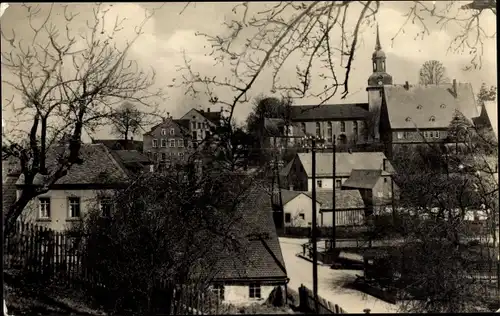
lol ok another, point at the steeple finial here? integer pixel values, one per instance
(377, 43)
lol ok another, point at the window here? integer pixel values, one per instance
(385, 180)
(355, 128)
(44, 208)
(302, 216)
(338, 183)
(105, 205)
(255, 290)
(400, 135)
(318, 129)
(155, 143)
(329, 132)
(199, 125)
(163, 131)
(193, 125)
(163, 142)
(155, 156)
(172, 143)
(380, 194)
(180, 143)
(319, 183)
(408, 119)
(172, 131)
(419, 106)
(342, 127)
(218, 290)
(303, 127)
(436, 134)
(195, 135)
(288, 217)
(149, 154)
(74, 207)
(163, 156)
(181, 154)
(432, 118)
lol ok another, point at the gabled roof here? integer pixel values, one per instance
(131, 160)
(98, 167)
(119, 144)
(286, 169)
(491, 108)
(329, 112)
(429, 106)
(182, 124)
(213, 117)
(344, 199)
(259, 260)
(287, 196)
(345, 162)
(363, 179)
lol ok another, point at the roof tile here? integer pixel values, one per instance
(344, 199)
(363, 179)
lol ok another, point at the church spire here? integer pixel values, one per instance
(377, 43)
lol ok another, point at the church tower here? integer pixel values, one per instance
(375, 88)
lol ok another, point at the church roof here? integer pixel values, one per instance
(326, 112)
(428, 106)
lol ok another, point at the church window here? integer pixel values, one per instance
(329, 132)
(443, 106)
(432, 119)
(408, 119)
(318, 130)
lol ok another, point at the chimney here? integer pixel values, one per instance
(455, 87)
(407, 85)
(208, 110)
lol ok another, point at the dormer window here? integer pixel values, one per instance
(408, 119)
(432, 119)
(443, 106)
(419, 106)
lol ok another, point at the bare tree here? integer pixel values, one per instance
(263, 38)
(128, 120)
(68, 81)
(432, 72)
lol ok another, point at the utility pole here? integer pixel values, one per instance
(313, 232)
(334, 167)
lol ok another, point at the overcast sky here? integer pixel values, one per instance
(169, 32)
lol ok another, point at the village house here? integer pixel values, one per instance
(488, 117)
(297, 174)
(377, 191)
(251, 275)
(167, 143)
(201, 122)
(86, 186)
(297, 208)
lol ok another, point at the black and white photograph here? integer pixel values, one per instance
(259, 157)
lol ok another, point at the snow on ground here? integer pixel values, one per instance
(329, 281)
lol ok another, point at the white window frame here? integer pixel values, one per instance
(218, 290)
(302, 216)
(172, 141)
(436, 134)
(163, 156)
(400, 135)
(319, 183)
(255, 291)
(172, 131)
(163, 142)
(44, 208)
(155, 143)
(181, 154)
(180, 143)
(290, 214)
(339, 181)
(163, 131)
(71, 202)
(342, 126)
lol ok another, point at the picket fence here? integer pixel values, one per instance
(325, 307)
(49, 254)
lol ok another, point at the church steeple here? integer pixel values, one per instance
(379, 76)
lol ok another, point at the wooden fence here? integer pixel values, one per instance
(325, 307)
(48, 254)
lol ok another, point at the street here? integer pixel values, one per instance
(329, 281)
